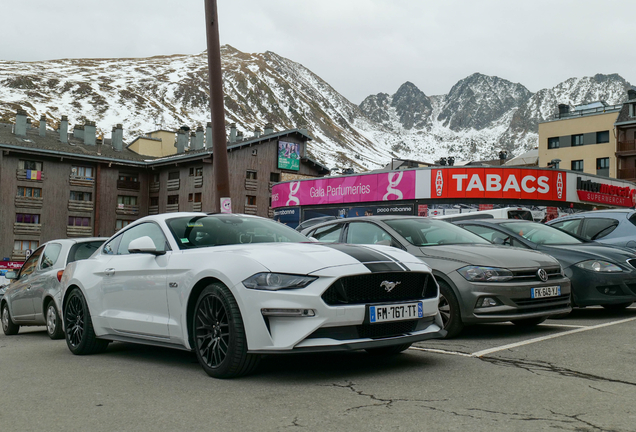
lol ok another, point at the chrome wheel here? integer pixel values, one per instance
(74, 320)
(5, 318)
(212, 329)
(51, 319)
(444, 310)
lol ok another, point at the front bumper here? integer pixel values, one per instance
(514, 298)
(591, 288)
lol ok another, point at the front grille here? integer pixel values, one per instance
(372, 331)
(538, 302)
(386, 329)
(531, 274)
(368, 288)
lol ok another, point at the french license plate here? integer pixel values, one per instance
(551, 291)
(395, 312)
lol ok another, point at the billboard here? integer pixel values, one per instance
(288, 155)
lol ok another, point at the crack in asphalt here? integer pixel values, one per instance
(295, 423)
(539, 366)
(576, 417)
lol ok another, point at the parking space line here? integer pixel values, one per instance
(544, 338)
(563, 325)
(439, 351)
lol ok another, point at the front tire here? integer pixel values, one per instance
(449, 310)
(389, 350)
(54, 327)
(80, 335)
(618, 306)
(529, 322)
(220, 342)
(8, 326)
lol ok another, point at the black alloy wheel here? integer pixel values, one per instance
(219, 334)
(449, 310)
(53, 323)
(80, 335)
(8, 327)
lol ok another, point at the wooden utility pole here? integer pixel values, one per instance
(217, 107)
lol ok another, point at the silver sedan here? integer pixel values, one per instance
(33, 297)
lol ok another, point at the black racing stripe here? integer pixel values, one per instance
(374, 261)
(389, 257)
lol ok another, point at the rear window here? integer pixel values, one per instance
(82, 251)
(520, 214)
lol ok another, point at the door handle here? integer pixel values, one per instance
(109, 271)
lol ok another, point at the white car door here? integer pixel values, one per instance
(134, 287)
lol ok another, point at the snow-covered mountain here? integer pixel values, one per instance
(477, 118)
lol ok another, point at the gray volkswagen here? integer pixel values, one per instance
(478, 282)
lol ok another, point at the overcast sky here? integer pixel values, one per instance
(360, 47)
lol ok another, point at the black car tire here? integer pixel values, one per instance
(389, 350)
(80, 335)
(219, 336)
(54, 327)
(449, 309)
(529, 322)
(8, 326)
(617, 306)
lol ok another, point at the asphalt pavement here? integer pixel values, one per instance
(573, 374)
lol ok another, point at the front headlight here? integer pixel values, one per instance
(599, 266)
(485, 274)
(277, 281)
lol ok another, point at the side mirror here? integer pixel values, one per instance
(144, 245)
(10, 275)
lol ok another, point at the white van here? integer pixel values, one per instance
(502, 213)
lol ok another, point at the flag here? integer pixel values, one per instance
(34, 175)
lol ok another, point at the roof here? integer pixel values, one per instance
(528, 158)
(623, 116)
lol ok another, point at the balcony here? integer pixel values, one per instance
(251, 184)
(128, 185)
(81, 181)
(198, 181)
(79, 231)
(27, 229)
(626, 148)
(153, 209)
(250, 209)
(18, 255)
(154, 186)
(127, 209)
(196, 206)
(173, 184)
(25, 202)
(80, 206)
(627, 174)
(270, 213)
(271, 185)
(21, 174)
(171, 208)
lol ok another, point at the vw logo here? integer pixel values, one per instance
(541, 274)
(388, 286)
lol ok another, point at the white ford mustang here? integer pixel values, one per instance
(232, 287)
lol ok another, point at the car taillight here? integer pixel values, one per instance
(59, 275)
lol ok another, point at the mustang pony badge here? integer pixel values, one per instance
(388, 286)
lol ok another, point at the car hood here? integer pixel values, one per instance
(572, 254)
(489, 255)
(306, 258)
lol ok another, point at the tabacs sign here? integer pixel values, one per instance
(288, 155)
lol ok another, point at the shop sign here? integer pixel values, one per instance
(603, 193)
(288, 155)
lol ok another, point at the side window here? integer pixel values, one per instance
(571, 226)
(328, 234)
(31, 264)
(517, 243)
(50, 256)
(146, 229)
(368, 233)
(490, 234)
(81, 251)
(596, 228)
(110, 248)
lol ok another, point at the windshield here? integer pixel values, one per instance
(540, 234)
(218, 230)
(432, 232)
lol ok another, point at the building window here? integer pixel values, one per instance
(155, 178)
(28, 192)
(173, 175)
(22, 245)
(602, 163)
(81, 196)
(190, 197)
(79, 221)
(120, 223)
(250, 175)
(602, 137)
(127, 200)
(250, 200)
(553, 143)
(197, 197)
(154, 201)
(577, 165)
(128, 177)
(198, 171)
(27, 218)
(274, 177)
(173, 199)
(80, 171)
(30, 165)
(577, 140)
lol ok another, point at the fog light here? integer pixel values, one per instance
(486, 302)
(289, 312)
